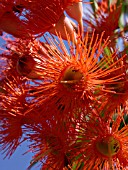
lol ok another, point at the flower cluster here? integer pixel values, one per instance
(64, 83)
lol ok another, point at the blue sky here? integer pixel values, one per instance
(18, 161)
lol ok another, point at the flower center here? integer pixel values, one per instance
(25, 65)
(71, 76)
(108, 146)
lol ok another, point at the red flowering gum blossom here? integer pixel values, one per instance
(50, 142)
(105, 19)
(10, 135)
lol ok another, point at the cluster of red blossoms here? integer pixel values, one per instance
(64, 83)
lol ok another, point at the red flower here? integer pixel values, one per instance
(102, 146)
(21, 57)
(50, 143)
(117, 90)
(106, 19)
(11, 133)
(74, 79)
(13, 106)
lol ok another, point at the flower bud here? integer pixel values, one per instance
(75, 11)
(64, 27)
